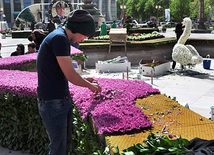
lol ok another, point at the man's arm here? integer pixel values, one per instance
(67, 68)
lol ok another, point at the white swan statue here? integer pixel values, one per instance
(186, 54)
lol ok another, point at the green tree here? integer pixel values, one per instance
(179, 8)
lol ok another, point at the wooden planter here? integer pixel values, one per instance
(160, 67)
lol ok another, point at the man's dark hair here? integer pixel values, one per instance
(32, 45)
(30, 38)
(22, 47)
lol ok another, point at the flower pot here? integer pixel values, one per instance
(80, 62)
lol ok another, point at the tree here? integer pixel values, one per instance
(179, 8)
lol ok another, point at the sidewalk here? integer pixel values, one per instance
(194, 87)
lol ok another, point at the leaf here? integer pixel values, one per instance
(162, 148)
(117, 150)
(173, 149)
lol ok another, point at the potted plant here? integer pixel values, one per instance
(80, 58)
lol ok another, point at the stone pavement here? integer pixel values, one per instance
(194, 87)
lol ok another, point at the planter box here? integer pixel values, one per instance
(113, 67)
(160, 67)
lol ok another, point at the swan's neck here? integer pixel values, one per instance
(186, 33)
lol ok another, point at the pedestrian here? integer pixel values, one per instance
(50, 26)
(20, 50)
(179, 31)
(114, 25)
(55, 69)
(31, 48)
(37, 36)
(32, 26)
(103, 29)
(22, 27)
(4, 17)
(43, 26)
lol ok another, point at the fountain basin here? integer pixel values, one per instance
(88, 6)
(87, 1)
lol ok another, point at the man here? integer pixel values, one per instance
(55, 69)
(50, 26)
(32, 25)
(37, 36)
(60, 10)
(114, 25)
(103, 29)
(31, 48)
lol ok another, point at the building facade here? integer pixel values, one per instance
(11, 8)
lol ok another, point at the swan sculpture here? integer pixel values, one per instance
(186, 54)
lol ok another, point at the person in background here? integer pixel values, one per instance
(37, 36)
(103, 29)
(60, 10)
(22, 26)
(32, 26)
(114, 25)
(43, 26)
(31, 48)
(50, 26)
(4, 17)
(55, 69)
(20, 50)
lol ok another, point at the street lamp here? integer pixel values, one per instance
(122, 7)
(157, 7)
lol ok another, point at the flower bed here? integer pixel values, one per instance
(113, 110)
(134, 37)
(27, 61)
(22, 62)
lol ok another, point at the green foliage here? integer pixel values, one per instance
(144, 9)
(156, 144)
(21, 128)
(20, 125)
(80, 56)
(179, 8)
(27, 66)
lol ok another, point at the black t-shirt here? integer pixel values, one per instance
(52, 83)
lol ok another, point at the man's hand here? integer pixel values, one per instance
(91, 80)
(95, 88)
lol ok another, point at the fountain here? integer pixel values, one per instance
(90, 6)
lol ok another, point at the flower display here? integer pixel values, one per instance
(113, 110)
(15, 62)
(140, 37)
(17, 82)
(75, 51)
(134, 36)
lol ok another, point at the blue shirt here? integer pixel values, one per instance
(52, 83)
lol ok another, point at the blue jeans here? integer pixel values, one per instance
(57, 116)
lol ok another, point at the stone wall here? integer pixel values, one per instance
(161, 52)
